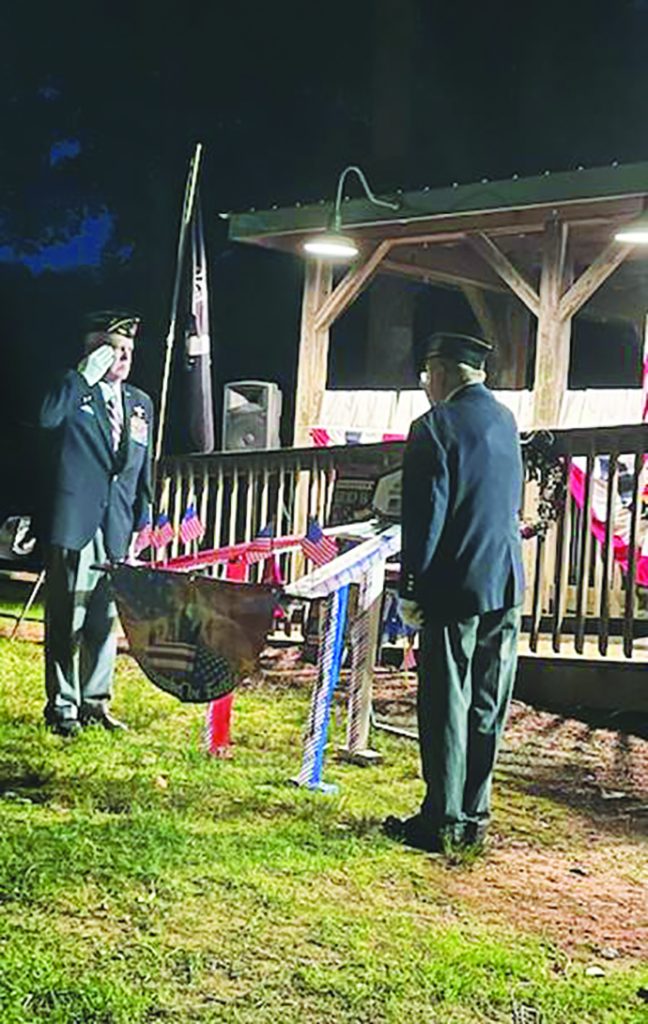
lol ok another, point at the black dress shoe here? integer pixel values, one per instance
(474, 836)
(414, 832)
(66, 727)
(100, 716)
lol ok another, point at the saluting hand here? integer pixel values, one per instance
(97, 363)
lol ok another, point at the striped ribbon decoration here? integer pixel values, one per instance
(362, 656)
(329, 663)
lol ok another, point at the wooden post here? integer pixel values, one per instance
(484, 313)
(504, 321)
(518, 330)
(555, 306)
(560, 300)
(313, 352)
(552, 342)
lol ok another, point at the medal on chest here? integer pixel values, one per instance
(139, 428)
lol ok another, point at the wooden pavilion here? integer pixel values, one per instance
(524, 248)
(525, 253)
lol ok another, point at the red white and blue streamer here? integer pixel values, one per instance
(329, 665)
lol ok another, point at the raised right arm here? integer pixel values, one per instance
(60, 399)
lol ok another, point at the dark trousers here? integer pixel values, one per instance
(466, 676)
(80, 637)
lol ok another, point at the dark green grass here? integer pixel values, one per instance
(141, 881)
(13, 596)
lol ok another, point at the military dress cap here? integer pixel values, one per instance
(461, 348)
(112, 322)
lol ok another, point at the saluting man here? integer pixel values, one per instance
(462, 584)
(101, 495)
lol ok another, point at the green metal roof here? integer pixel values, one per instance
(583, 185)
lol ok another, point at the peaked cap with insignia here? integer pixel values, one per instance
(112, 321)
(461, 348)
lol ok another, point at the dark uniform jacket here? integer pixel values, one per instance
(462, 488)
(93, 485)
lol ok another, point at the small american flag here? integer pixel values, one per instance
(143, 538)
(318, 547)
(162, 532)
(261, 547)
(191, 527)
(171, 658)
(199, 672)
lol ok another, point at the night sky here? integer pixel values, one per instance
(100, 107)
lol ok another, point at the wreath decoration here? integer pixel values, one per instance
(548, 469)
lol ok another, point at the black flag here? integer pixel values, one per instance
(198, 346)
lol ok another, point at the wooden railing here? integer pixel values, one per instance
(238, 493)
(578, 598)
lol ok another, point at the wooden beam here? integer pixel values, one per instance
(350, 287)
(496, 225)
(455, 229)
(504, 320)
(501, 264)
(483, 313)
(592, 278)
(518, 330)
(313, 352)
(264, 229)
(554, 332)
(434, 275)
(627, 305)
(459, 228)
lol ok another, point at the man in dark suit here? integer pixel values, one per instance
(461, 584)
(101, 495)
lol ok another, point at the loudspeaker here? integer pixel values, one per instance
(251, 415)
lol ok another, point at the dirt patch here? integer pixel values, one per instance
(601, 772)
(580, 879)
(29, 629)
(589, 891)
(597, 764)
(593, 902)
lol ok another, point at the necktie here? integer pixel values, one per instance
(114, 410)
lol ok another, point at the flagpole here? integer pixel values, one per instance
(185, 221)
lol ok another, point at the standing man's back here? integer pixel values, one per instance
(462, 584)
(461, 548)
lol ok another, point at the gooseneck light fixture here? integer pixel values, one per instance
(333, 245)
